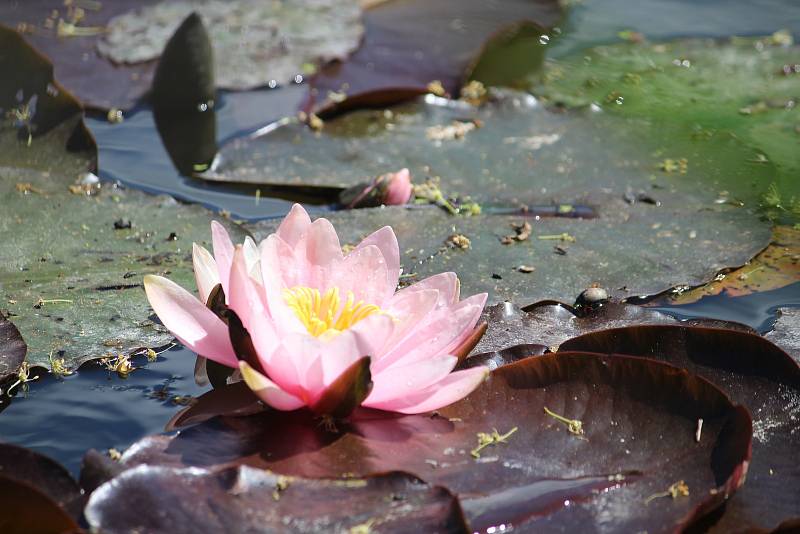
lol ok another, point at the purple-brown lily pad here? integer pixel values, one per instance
(409, 44)
(244, 499)
(546, 324)
(753, 372)
(638, 418)
(12, 350)
(44, 475)
(24, 509)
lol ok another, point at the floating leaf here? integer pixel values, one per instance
(700, 92)
(753, 372)
(639, 418)
(407, 45)
(775, 267)
(246, 499)
(619, 250)
(39, 472)
(74, 288)
(24, 510)
(12, 350)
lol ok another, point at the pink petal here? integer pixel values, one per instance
(452, 388)
(439, 332)
(252, 257)
(408, 310)
(363, 272)
(242, 294)
(190, 320)
(205, 271)
(278, 273)
(403, 380)
(223, 253)
(322, 253)
(386, 241)
(364, 339)
(268, 391)
(294, 225)
(446, 283)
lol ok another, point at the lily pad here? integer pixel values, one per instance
(775, 267)
(244, 499)
(46, 475)
(638, 417)
(255, 43)
(620, 250)
(409, 44)
(25, 509)
(786, 333)
(12, 350)
(75, 291)
(73, 250)
(699, 90)
(753, 372)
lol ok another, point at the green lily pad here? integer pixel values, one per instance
(72, 263)
(699, 92)
(621, 250)
(510, 152)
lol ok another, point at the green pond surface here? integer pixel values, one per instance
(95, 408)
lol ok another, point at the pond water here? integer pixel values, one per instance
(96, 408)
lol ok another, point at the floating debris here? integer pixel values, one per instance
(574, 426)
(678, 489)
(459, 241)
(474, 93)
(521, 233)
(450, 132)
(485, 439)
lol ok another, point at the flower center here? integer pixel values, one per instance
(323, 313)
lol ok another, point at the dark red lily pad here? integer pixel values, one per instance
(753, 372)
(546, 324)
(12, 350)
(408, 44)
(639, 418)
(26, 510)
(243, 499)
(42, 474)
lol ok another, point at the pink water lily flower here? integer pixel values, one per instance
(312, 312)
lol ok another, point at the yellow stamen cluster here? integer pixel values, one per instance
(323, 313)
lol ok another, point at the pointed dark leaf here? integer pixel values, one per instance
(753, 372)
(12, 350)
(241, 340)
(639, 418)
(243, 499)
(347, 392)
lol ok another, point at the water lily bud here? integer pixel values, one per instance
(391, 189)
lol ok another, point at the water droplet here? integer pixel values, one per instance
(544, 39)
(272, 84)
(298, 78)
(619, 100)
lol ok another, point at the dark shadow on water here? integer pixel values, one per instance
(757, 310)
